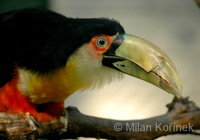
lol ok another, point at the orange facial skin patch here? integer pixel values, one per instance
(98, 50)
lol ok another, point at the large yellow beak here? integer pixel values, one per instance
(139, 58)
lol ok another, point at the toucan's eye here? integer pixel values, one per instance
(102, 42)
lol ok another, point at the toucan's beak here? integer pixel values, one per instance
(139, 58)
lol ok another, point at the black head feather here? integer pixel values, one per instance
(40, 40)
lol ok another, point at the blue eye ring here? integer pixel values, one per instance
(101, 42)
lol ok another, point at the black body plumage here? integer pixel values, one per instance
(40, 40)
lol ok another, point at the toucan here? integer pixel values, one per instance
(45, 57)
